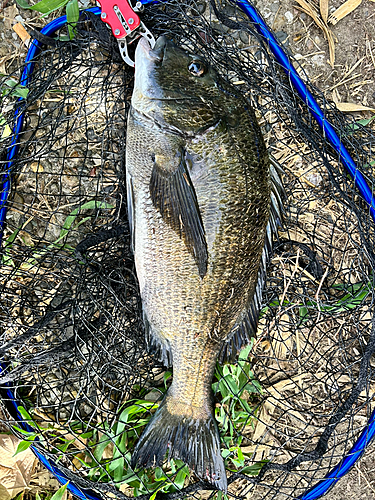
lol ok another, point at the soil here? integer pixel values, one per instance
(354, 48)
(350, 79)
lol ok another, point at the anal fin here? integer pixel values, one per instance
(157, 345)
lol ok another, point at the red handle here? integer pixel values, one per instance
(113, 11)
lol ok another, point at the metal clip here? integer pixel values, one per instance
(125, 24)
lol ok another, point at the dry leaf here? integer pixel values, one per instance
(323, 4)
(262, 422)
(36, 167)
(350, 107)
(344, 9)
(310, 10)
(9, 14)
(3, 69)
(15, 472)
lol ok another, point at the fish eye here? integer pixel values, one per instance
(197, 68)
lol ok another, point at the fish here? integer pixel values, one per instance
(202, 212)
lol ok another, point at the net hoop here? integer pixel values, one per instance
(368, 434)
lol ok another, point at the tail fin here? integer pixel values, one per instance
(195, 441)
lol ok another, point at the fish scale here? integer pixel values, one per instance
(199, 176)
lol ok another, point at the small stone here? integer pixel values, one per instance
(289, 16)
(298, 56)
(281, 36)
(244, 36)
(274, 7)
(198, 9)
(314, 178)
(318, 60)
(317, 40)
(152, 396)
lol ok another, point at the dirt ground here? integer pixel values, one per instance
(351, 79)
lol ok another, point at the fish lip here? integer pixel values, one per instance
(155, 54)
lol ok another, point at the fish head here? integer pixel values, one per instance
(177, 89)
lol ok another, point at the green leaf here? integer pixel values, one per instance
(13, 88)
(60, 492)
(22, 446)
(231, 384)
(65, 446)
(7, 130)
(69, 221)
(104, 441)
(253, 470)
(23, 4)
(244, 354)
(167, 375)
(72, 16)
(20, 91)
(25, 433)
(355, 126)
(24, 414)
(303, 313)
(182, 474)
(10, 239)
(44, 6)
(153, 496)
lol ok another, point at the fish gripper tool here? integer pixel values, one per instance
(125, 24)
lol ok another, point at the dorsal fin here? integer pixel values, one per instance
(246, 327)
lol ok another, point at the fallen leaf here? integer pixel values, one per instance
(36, 167)
(15, 471)
(9, 14)
(351, 107)
(4, 494)
(323, 4)
(311, 11)
(344, 9)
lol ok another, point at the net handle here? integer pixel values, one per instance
(368, 433)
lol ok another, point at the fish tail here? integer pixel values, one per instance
(192, 439)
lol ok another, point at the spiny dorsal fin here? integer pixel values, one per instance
(246, 327)
(173, 194)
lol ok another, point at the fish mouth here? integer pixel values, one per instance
(155, 54)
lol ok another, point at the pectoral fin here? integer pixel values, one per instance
(173, 194)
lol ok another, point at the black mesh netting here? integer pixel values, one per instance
(70, 316)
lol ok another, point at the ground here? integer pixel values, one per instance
(350, 79)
